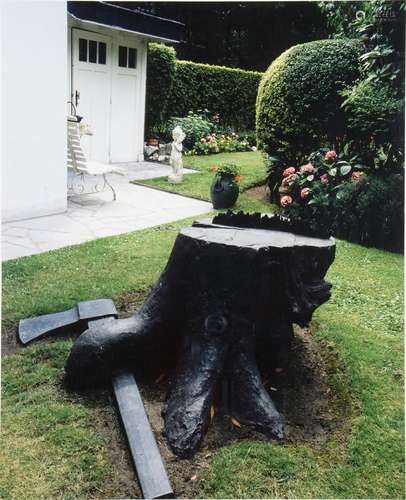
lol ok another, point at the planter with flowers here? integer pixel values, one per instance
(224, 189)
(308, 193)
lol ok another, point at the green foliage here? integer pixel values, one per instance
(370, 212)
(308, 193)
(298, 104)
(375, 125)
(227, 169)
(177, 88)
(334, 194)
(227, 92)
(380, 26)
(342, 16)
(193, 125)
(214, 143)
(372, 109)
(205, 146)
(161, 70)
(374, 104)
(249, 136)
(223, 132)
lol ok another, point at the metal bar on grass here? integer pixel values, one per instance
(148, 462)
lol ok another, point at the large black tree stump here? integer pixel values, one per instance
(222, 308)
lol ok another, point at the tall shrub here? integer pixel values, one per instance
(375, 125)
(227, 91)
(380, 25)
(370, 212)
(161, 70)
(299, 104)
(374, 105)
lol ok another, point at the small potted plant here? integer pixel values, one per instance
(153, 141)
(224, 189)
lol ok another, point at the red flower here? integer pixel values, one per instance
(330, 155)
(289, 171)
(324, 178)
(304, 193)
(308, 168)
(286, 201)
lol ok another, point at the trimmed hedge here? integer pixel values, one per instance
(161, 71)
(227, 91)
(298, 104)
(176, 87)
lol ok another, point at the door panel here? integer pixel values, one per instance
(125, 91)
(91, 78)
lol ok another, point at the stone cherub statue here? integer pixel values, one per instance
(175, 160)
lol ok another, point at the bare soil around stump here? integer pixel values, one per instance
(310, 407)
(259, 193)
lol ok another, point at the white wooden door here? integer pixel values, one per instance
(91, 89)
(124, 102)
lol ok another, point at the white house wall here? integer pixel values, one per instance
(34, 73)
(118, 37)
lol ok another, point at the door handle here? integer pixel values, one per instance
(77, 97)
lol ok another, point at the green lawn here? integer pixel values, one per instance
(252, 167)
(51, 447)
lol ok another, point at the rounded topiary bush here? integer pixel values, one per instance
(298, 102)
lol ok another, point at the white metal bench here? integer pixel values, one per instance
(81, 168)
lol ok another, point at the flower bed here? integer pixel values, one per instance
(205, 136)
(220, 143)
(333, 195)
(308, 192)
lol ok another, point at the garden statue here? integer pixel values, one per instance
(175, 177)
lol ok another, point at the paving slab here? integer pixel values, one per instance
(94, 216)
(149, 170)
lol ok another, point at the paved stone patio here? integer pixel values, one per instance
(94, 216)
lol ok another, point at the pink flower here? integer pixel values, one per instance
(308, 168)
(286, 201)
(330, 155)
(287, 180)
(324, 178)
(304, 193)
(356, 176)
(289, 171)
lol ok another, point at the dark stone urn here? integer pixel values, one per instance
(224, 191)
